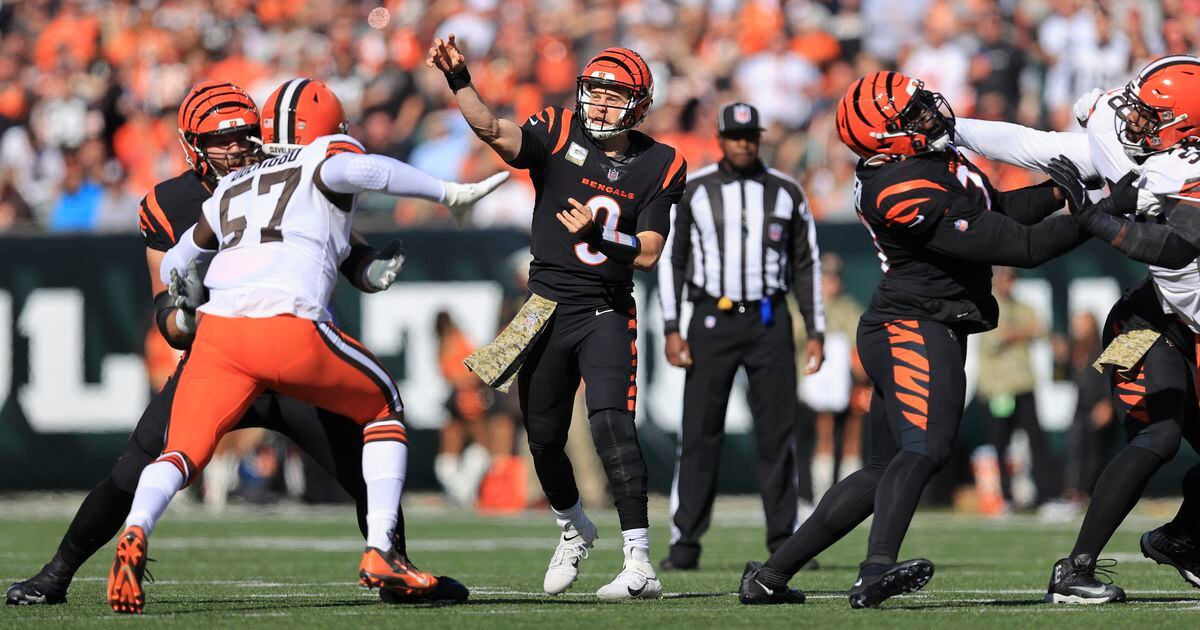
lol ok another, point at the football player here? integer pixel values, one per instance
(277, 232)
(604, 195)
(219, 132)
(939, 227)
(1143, 139)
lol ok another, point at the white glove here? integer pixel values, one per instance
(460, 197)
(1084, 106)
(381, 272)
(189, 293)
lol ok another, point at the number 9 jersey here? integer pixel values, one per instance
(281, 234)
(630, 194)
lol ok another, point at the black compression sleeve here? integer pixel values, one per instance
(356, 262)
(618, 246)
(1173, 244)
(1030, 204)
(992, 238)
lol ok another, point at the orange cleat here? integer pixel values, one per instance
(394, 572)
(125, 593)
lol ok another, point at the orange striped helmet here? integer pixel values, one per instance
(298, 112)
(214, 108)
(615, 68)
(1165, 96)
(888, 113)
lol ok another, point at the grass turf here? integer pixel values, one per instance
(295, 567)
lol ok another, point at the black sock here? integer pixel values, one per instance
(845, 505)
(98, 519)
(1117, 491)
(633, 512)
(1187, 520)
(896, 500)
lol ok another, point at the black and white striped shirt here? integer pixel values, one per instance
(744, 237)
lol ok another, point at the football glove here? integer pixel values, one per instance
(381, 272)
(1085, 105)
(187, 290)
(460, 197)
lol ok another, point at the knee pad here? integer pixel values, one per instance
(615, 437)
(1161, 438)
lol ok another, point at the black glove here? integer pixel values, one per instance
(1122, 196)
(1067, 177)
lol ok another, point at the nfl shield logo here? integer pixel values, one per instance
(961, 225)
(776, 232)
(741, 114)
(613, 174)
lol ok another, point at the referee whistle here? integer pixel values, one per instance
(724, 304)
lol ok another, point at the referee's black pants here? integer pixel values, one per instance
(721, 341)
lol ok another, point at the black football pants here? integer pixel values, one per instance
(332, 441)
(722, 341)
(917, 368)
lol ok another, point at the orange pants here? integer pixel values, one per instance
(233, 360)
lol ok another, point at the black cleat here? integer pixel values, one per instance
(1074, 582)
(752, 592)
(906, 577)
(1179, 551)
(49, 586)
(669, 564)
(447, 591)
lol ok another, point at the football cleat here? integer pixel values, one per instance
(49, 586)
(572, 547)
(1073, 581)
(125, 593)
(906, 577)
(447, 591)
(636, 581)
(1179, 551)
(393, 571)
(753, 592)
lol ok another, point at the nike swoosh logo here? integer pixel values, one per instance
(566, 538)
(1091, 590)
(601, 312)
(764, 587)
(858, 582)
(635, 592)
(920, 218)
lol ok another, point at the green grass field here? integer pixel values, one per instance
(295, 567)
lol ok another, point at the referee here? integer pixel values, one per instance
(742, 237)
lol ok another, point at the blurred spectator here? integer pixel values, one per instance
(460, 466)
(78, 206)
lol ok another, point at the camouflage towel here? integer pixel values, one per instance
(1129, 347)
(498, 362)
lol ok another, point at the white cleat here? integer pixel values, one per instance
(636, 581)
(573, 546)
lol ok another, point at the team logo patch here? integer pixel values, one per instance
(710, 322)
(961, 225)
(741, 114)
(613, 174)
(576, 154)
(775, 232)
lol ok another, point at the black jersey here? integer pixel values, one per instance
(171, 208)
(631, 195)
(905, 205)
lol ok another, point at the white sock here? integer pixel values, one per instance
(822, 475)
(850, 465)
(157, 485)
(384, 463)
(637, 544)
(573, 516)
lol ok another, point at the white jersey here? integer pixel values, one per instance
(1162, 178)
(281, 239)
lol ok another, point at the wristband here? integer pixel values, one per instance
(458, 79)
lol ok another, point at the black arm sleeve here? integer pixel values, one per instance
(1173, 244)
(1030, 204)
(618, 246)
(356, 262)
(164, 310)
(992, 238)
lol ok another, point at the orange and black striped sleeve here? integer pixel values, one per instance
(542, 135)
(156, 228)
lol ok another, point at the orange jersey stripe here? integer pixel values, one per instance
(564, 130)
(905, 211)
(916, 419)
(903, 187)
(907, 378)
(549, 111)
(676, 164)
(335, 148)
(912, 358)
(916, 402)
(152, 205)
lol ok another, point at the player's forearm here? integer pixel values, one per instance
(176, 327)
(1031, 204)
(503, 136)
(995, 239)
(1022, 146)
(1172, 245)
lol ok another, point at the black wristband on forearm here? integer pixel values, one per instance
(356, 261)
(458, 79)
(618, 246)
(164, 310)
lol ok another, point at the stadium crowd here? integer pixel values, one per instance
(89, 89)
